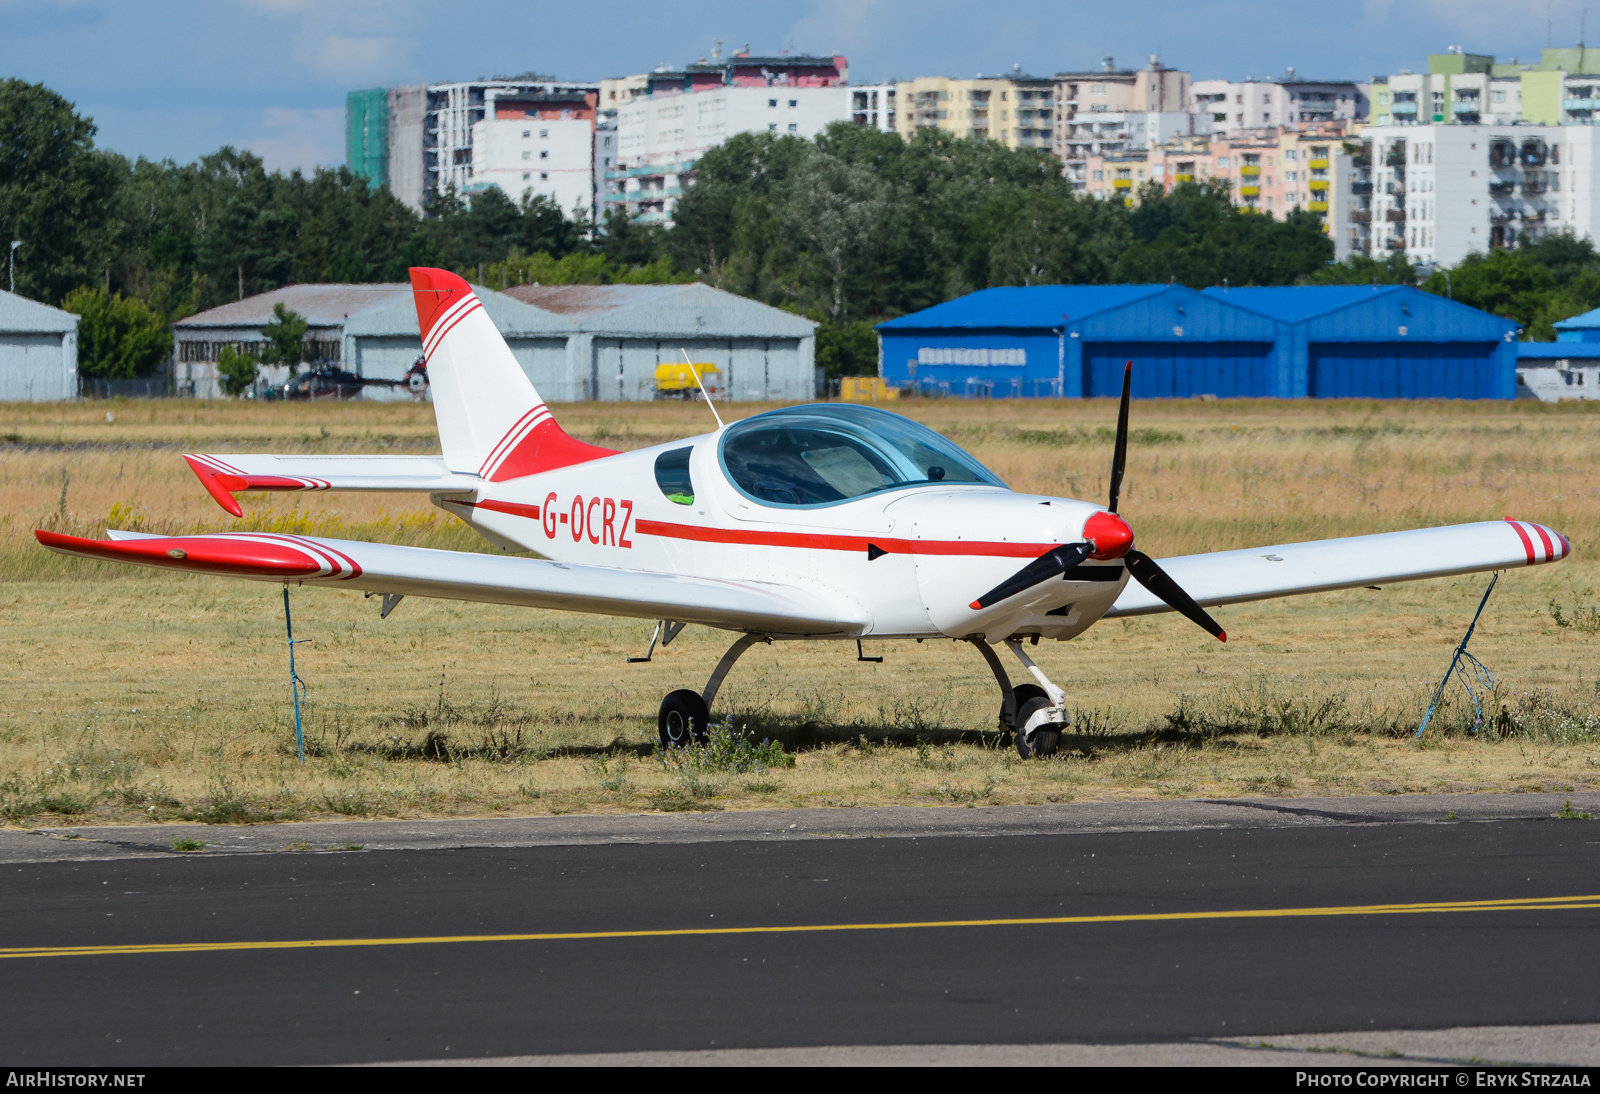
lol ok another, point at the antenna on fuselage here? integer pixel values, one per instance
(701, 385)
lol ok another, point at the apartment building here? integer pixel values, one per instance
(1288, 100)
(1099, 137)
(1017, 111)
(427, 131)
(1458, 89)
(1113, 112)
(1436, 193)
(873, 107)
(1269, 171)
(667, 119)
(539, 144)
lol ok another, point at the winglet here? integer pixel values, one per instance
(209, 478)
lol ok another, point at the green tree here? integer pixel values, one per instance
(119, 338)
(286, 338)
(1359, 269)
(236, 370)
(56, 191)
(1196, 236)
(847, 349)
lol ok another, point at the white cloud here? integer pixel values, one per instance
(300, 138)
(360, 58)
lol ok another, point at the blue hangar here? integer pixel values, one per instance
(1318, 341)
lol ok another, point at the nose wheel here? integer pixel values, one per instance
(1036, 713)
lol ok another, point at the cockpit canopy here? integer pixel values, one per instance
(826, 454)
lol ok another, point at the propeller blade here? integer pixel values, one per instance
(1119, 455)
(1052, 563)
(1144, 570)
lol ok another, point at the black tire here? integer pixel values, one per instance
(1022, 693)
(683, 718)
(1045, 741)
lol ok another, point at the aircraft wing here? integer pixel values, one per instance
(223, 476)
(1289, 569)
(753, 606)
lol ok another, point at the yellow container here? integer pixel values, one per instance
(866, 389)
(678, 377)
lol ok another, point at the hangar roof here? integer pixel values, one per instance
(693, 310)
(322, 305)
(20, 315)
(1368, 312)
(397, 317)
(1023, 308)
(1544, 351)
(1589, 320)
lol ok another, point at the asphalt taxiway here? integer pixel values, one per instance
(1067, 933)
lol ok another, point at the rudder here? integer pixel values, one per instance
(491, 420)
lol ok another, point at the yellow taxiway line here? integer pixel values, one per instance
(1511, 904)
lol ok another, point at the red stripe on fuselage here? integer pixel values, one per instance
(818, 541)
(514, 508)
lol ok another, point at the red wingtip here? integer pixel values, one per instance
(975, 606)
(208, 479)
(435, 292)
(1223, 637)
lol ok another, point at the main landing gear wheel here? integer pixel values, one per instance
(683, 718)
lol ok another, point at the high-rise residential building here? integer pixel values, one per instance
(1272, 171)
(427, 144)
(1436, 193)
(539, 143)
(1017, 111)
(1288, 100)
(1458, 89)
(1123, 135)
(669, 118)
(873, 107)
(1116, 113)
(1561, 88)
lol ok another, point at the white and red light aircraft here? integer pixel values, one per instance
(833, 521)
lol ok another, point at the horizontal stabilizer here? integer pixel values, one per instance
(224, 476)
(755, 606)
(1291, 569)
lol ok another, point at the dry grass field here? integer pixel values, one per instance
(127, 693)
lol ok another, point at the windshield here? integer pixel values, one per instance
(820, 455)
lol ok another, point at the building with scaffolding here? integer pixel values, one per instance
(419, 140)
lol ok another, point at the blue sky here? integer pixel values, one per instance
(179, 78)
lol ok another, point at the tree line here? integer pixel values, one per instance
(849, 228)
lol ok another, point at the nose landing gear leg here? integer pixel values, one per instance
(686, 715)
(1040, 718)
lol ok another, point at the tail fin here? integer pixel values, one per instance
(492, 422)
